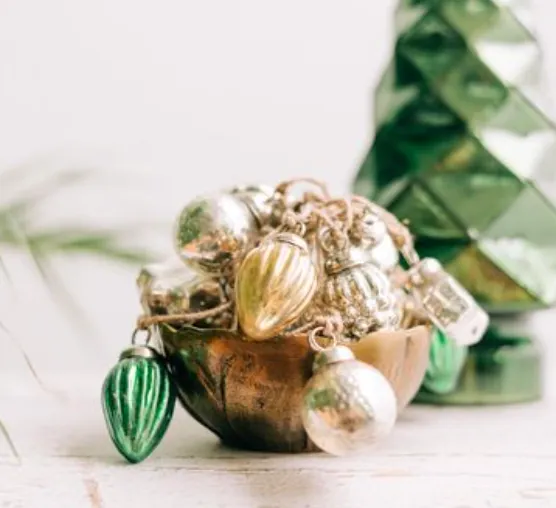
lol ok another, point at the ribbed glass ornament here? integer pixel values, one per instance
(138, 400)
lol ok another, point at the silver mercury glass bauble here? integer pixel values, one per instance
(211, 230)
(258, 200)
(373, 242)
(347, 406)
(172, 288)
(362, 293)
(385, 255)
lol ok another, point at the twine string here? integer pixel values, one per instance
(145, 322)
(285, 187)
(328, 225)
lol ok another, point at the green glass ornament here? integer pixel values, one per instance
(464, 147)
(446, 359)
(501, 369)
(138, 399)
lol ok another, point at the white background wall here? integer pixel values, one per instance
(168, 99)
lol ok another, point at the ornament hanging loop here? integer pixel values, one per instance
(318, 333)
(332, 240)
(148, 336)
(293, 223)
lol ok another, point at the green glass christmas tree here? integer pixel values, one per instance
(464, 149)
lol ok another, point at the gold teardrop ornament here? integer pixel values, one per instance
(274, 285)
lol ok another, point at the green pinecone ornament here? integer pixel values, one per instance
(446, 359)
(503, 368)
(138, 399)
(464, 148)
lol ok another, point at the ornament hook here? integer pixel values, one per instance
(147, 338)
(313, 339)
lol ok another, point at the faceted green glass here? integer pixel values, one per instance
(471, 90)
(464, 148)
(501, 369)
(444, 251)
(432, 45)
(520, 137)
(138, 400)
(475, 198)
(491, 285)
(521, 243)
(469, 17)
(428, 217)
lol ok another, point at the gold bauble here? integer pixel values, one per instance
(275, 284)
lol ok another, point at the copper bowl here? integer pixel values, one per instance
(249, 393)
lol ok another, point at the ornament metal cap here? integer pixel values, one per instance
(136, 351)
(333, 355)
(292, 239)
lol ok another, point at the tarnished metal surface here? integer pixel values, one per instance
(249, 393)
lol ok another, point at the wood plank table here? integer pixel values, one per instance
(54, 450)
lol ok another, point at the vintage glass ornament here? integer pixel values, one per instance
(446, 303)
(138, 399)
(362, 293)
(385, 255)
(211, 230)
(370, 238)
(171, 287)
(505, 367)
(347, 406)
(275, 284)
(368, 230)
(446, 360)
(258, 199)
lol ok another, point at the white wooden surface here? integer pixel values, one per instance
(54, 451)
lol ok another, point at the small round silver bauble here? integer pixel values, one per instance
(171, 287)
(384, 255)
(258, 200)
(370, 230)
(374, 244)
(362, 293)
(347, 406)
(211, 230)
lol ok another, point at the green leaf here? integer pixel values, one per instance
(100, 243)
(24, 189)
